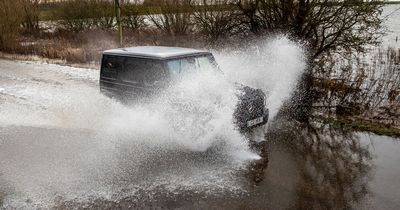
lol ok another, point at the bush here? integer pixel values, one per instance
(10, 21)
(30, 21)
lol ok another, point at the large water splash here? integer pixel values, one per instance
(61, 137)
(272, 65)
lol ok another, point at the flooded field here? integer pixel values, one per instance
(63, 145)
(392, 23)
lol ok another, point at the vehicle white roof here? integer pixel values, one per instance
(155, 51)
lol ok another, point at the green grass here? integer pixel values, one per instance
(360, 125)
(392, 2)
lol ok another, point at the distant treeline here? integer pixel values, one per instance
(323, 25)
(54, 10)
(49, 10)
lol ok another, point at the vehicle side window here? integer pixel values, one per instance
(112, 63)
(110, 66)
(142, 71)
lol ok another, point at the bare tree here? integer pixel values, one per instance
(325, 25)
(101, 14)
(132, 17)
(79, 15)
(216, 20)
(174, 17)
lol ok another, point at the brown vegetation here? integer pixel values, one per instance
(17, 16)
(30, 23)
(361, 88)
(11, 18)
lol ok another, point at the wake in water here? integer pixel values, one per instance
(66, 139)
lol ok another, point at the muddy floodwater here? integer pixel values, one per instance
(358, 171)
(63, 145)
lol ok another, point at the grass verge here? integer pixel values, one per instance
(361, 125)
(36, 58)
(392, 2)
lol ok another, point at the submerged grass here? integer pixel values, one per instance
(362, 125)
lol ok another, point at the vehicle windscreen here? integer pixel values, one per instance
(186, 65)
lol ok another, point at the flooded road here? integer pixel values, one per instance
(65, 146)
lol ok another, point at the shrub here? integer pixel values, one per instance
(30, 21)
(10, 21)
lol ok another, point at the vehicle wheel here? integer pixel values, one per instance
(258, 167)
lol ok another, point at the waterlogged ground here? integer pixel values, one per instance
(391, 14)
(63, 145)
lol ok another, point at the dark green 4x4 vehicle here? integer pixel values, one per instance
(132, 73)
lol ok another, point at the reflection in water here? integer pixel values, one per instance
(333, 165)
